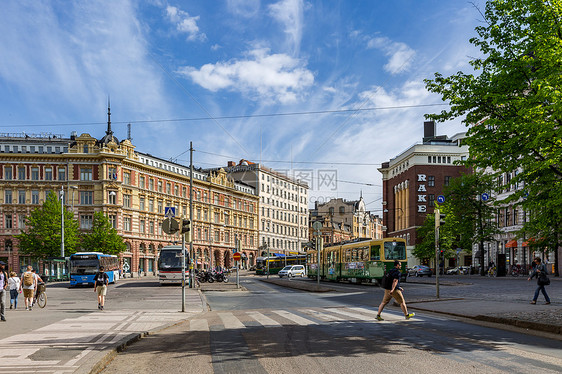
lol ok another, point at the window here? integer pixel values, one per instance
(141, 226)
(127, 177)
(112, 197)
(85, 174)
(431, 199)
(184, 191)
(342, 209)
(431, 181)
(176, 190)
(62, 174)
(168, 188)
(127, 224)
(113, 220)
(151, 205)
(160, 207)
(227, 237)
(8, 173)
(447, 181)
(86, 222)
(34, 197)
(127, 201)
(151, 184)
(375, 253)
(141, 203)
(217, 236)
(35, 174)
(159, 186)
(217, 217)
(151, 227)
(86, 197)
(216, 199)
(48, 174)
(7, 196)
(8, 221)
(21, 173)
(85, 148)
(429, 159)
(21, 197)
(226, 219)
(21, 221)
(142, 182)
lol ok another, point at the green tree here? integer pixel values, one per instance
(513, 107)
(103, 237)
(470, 217)
(425, 249)
(42, 236)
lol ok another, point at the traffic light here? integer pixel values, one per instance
(185, 226)
(442, 219)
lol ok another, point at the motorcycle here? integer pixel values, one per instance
(205, 276)
(220, 277)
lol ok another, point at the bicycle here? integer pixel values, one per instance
(41, 296)
(492, 271)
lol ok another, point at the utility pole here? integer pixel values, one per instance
(62, 221)
(182, 271)
(437, 222)
(191, 212)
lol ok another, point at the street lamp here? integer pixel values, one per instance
(62, 221)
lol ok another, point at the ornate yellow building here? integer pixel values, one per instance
(133, 189)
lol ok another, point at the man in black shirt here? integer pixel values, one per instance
(101, 280)
(393, 289)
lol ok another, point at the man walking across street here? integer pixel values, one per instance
(101, 280)
(542, 280)
(392, 289)
(3, 288)
(29, 286)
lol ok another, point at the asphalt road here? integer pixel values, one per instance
(270, 329)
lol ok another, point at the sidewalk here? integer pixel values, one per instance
(86, 341)
(538, 317)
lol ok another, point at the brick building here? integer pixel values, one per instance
(413, 180)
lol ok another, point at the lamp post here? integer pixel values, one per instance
(62, 221)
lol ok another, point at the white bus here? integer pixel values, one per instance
(170, 265)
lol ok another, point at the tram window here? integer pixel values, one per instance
(354, 255)
(375, 253)
(394, 251)
(347, 255)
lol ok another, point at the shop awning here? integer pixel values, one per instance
(528, 241)
(511, 244)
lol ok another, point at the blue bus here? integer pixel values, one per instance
(84, 265)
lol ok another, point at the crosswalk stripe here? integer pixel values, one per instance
(358, 316)
(199, 325)
(263, 319)
(230, 321)
(323, 316)
(295, 318)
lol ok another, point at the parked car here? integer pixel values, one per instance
(420, 271)
(292, 271)
(453, 271)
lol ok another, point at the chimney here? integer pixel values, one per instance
(231, 164)
(428, 130)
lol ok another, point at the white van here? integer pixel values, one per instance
(292, 271)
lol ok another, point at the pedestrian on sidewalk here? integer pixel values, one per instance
(540, 272)
(100, 286)
(29, 286)
(3, 288)
(392, 289)
(14, 283)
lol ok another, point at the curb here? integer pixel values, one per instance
(299, 285)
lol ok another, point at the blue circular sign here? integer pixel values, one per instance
(440, 199)
(485, 196)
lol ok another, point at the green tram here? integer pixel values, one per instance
(277, 261)
(360, 261)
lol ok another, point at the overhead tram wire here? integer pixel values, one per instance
(337, 111)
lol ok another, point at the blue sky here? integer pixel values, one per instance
(307, 87)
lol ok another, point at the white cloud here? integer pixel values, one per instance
(400, 55)
(185, 23)
(290, 14)
(262, 76)
(244, 8)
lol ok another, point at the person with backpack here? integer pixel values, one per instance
(29, 286)
(14, 284)
(101, 280)
(392, 289)
(539, 271)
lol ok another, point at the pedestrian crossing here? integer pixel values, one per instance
(267, 318)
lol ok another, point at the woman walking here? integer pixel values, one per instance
(542, 280)
(14, 284)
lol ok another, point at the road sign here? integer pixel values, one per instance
(485, 196)
(170, 211)
(170, 226)
(440, 199)
(317, 226)
(237, 256)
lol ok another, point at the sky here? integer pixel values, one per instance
(324, 91)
